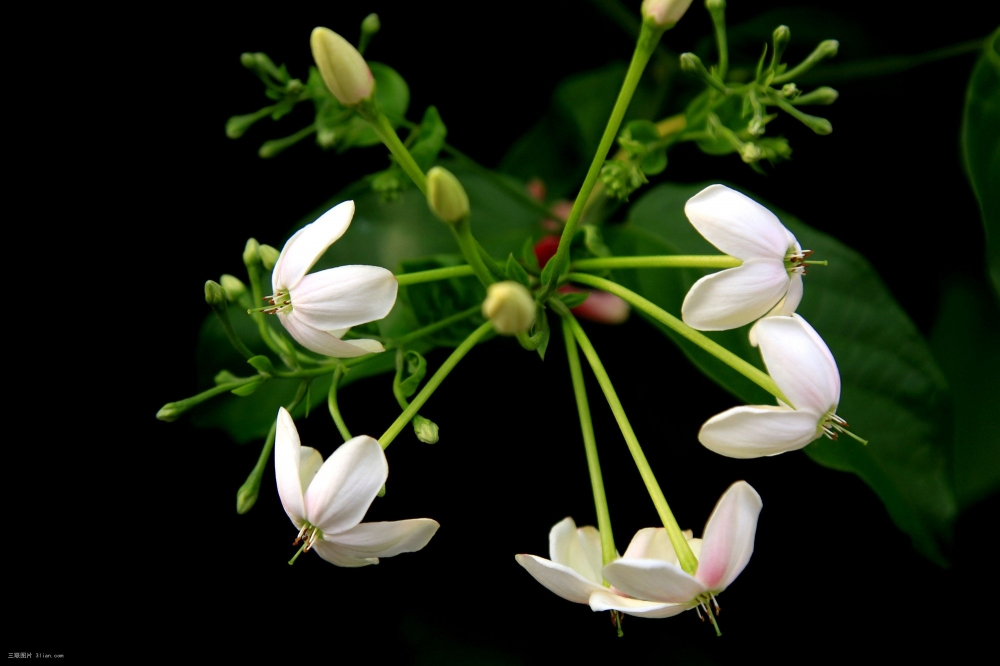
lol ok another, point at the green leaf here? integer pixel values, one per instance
(429, 302)
(981, 147)
(411, 365)
(246, 389)
(574, 298)
(262, 364)
(892, 393)
(964, 340)
(540, 332)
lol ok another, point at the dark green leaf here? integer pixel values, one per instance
(892, 391)
(246, 389)
(540, 333)
(528, 256)
(262, 364)
(574, 298)
(981, 147)
(430, 302)
(516, 272)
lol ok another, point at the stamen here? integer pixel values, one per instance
(697, 609)
(718, 609)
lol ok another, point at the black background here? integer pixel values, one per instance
(148, 545)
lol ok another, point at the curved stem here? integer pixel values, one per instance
(758, 377)
(648, 39)
(331, 402)
(662, 261)
(608, 552)
(418, 401)
(373, 113)
(686, 558)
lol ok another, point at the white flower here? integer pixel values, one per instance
(804, 369)
(769, 282)
(317, 309)
(658, 587)
(327, 500)
(574, 572)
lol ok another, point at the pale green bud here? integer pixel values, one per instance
(790, 91)
(664, 13)
(214, 294)
(233, 287)
(251, 253)
(170, 412)
(750, 153)
(692, 64)
(510, 307)
(782, 35)
(268, 256)
(446, 196)
(425, 429)
(824, 95)
(246, 496)
(371, 24)
(344, 70)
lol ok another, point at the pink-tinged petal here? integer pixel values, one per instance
(345, 296)
(334, 554)
(345, 486)
(800, 363)
(653, 580)
(651, 543)
(785, 307)
(729, 533)
(374, 540)
(736, 296)
(578, 549)
(603, 308)
(736, 224)
(558, 578)
(308, 244)
(602, 600)
(287, 458)
(752, 431)
(319, 341)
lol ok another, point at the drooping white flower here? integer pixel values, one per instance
(319, 308)
(327, 500)
(574, 570)
(804, 369)
(655, 583)
(768, 283)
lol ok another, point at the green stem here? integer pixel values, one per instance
(418, 277)
(373, 113)
(648, 39)
(246, 496)
(331, 402)
(686, 558)
(758, 377)
(171, 410)
(608, 552)
(470, 250)
(719, 21)
(418, 401)
(435, 327)
(221, 311)
(661, 261)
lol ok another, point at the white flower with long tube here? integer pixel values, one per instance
(767, 283)
(318, 309)
(574, 570)
(806, 373)
(655, 583)
(327, 500)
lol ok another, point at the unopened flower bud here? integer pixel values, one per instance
(233, 287)
(446, 196)
(425, 429)
(750, 153)
(692, 64)
(824, 95)
(251, 253)
(268, 256)
(664, 13)
(371, 25)
(782, 35)
(790, 91)
(246, 496)
(510, 307)
(343, 69)
(169, 412)
(214, 294)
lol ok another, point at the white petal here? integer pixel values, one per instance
(287, 458)
(653, 580)
(310, 460)
(752, 431)
(374, 540)
(602, 600)
(319, 341)
(785, 307)
(558, 578)
(578, 549)
(332, 553)
(367, 346)
(736, 224)
(800, 363)
(728, 541)
(345, 486)
(308, 244)
(736, 296)
(344, 296)
(651, 543)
